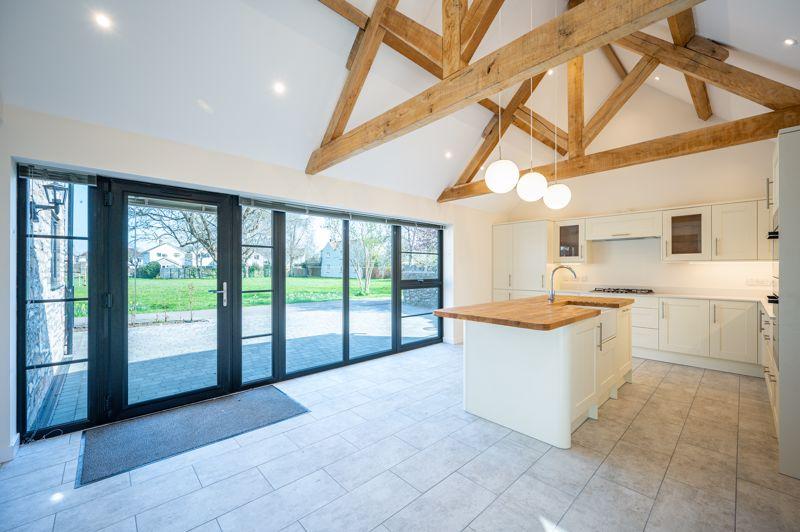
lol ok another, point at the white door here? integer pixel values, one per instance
(683, 326)
(501, 295)
(502, 254)
(734, 227)
(686, 234)
(764, 227)
(570, 241)
(734, 330)
(529, 262)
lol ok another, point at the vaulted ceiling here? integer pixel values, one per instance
(148, 74)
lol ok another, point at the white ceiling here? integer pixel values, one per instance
(161, 57)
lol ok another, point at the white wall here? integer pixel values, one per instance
(28, 135)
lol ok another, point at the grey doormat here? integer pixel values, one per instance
(120, 447)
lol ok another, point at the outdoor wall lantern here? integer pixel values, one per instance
(56, 197)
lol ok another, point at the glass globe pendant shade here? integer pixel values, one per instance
(531, 186)
(502, 176)
(557, 196)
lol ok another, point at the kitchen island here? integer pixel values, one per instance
(542, 368)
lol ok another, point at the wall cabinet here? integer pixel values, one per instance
(520, 253)
(734, 228)
(686, 234)
(502, 256)
(570, 240)
(622, 226)
(764, 223)
(734, 331)
(684, 326)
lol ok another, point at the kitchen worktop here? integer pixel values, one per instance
(535, 313)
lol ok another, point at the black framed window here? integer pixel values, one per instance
(420, 284)
(54, 338)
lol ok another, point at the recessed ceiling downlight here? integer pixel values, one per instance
(279, 88)
(204, 105)
(789, 42)
(103, 21)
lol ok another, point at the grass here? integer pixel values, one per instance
(165, 295)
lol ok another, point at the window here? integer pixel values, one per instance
(420, 284)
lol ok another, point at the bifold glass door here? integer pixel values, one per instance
(136, 298)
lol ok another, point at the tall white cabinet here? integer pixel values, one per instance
(520, 255)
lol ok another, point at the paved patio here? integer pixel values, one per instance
(175, 357)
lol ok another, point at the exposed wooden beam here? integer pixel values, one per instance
(617, 99)
(682, 28)
(575, 106)
(746, 130)
(348, 11)
(572, 34)
(764, 91)
(365, 55)
(351, 57)
(708, 47)
(451, 36)
(419, 44)
(613, 58)
(498, 129)
(475, 25)
(542, 130)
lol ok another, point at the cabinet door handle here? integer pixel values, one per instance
(715, 312)
(542, 280)
(769, 200)
(620, 234)
(666, 248)
(580, 253)
(600, 345)
(509, 280)
(760, 321)
(663, 313)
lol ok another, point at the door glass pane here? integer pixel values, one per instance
(418, 321)
(256, 294)
(314, 299)
(687, 234)
(172, 315)
(568, 241)
(370, 272)
(419, 256)
(56, 306)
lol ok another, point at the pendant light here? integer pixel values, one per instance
(503, 174)
(558, 195)
(531, 186)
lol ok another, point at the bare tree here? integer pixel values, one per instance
(298, 239)
(370, 249)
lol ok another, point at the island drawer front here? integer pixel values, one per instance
(645, 302)
(645, 317)
(643, 337)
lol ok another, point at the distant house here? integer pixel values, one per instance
(331, 260)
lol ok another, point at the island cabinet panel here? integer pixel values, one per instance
(529, 263)
(583, 339)
(622, 226)
(502, 256)
(764, 227)
(623, 350)
(734, 330)
(606, 370)
(686, 234)
(683, 327)
(734, 228)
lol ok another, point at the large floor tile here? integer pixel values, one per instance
(667, 410)
(364, 465)
(273, 430)
(283, 506)
(759, 508)
(38, 480)
(710, 435)
(635, 392)
(681, 392)
(161, 467)
(683, 507)
(567, 469)
(215, 468)
(599, 435)
(621, 410)
(758, 463)
(500, 465)
(297, 464)
(604, 505)
(429, 431)
(636, 468)
(720, 380)
(428, 467)
(480, 434)
(709, 471)
(319, 430)
(363, 508)
(716, 411)
(450, 506)
(650, 433)
(377, 429)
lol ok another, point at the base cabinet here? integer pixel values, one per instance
(734, 331)
(623, 350)
(501, 295)
(683, 326)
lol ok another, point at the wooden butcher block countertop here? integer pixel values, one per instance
(535, 312)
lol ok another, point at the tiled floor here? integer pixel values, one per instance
(387, 446)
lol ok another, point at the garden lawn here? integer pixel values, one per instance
(159, 295)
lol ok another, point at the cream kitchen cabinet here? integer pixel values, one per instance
(520, 253)
(501, 295)
(622, 226)
(522, 294)
(734, 228)
(734, 330)
(623, 349)
(686, 234)
(684, 326)
(764, 227)
(502, 256)
(570, 240)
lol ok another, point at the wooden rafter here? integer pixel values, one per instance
(572, 34)
(746, 130)
(451, 36)
(362, 62)
(475, 25)
(764, 91)
(348, 11)
(682, 28)
(498, 128)
(542, 129)
(575, 106)
(617, 99)
(613, 58)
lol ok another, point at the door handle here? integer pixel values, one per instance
(715, 313)
(716, 246)
(509, 280)
(769, 200)
(224, 293)
(663, 313)
(601, 337)
(666, 248)
(621, 234)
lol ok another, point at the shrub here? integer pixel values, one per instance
(149, 270)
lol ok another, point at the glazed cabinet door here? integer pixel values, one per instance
(686, 234)
(570, 241)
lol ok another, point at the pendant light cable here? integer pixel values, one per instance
(500, 95)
